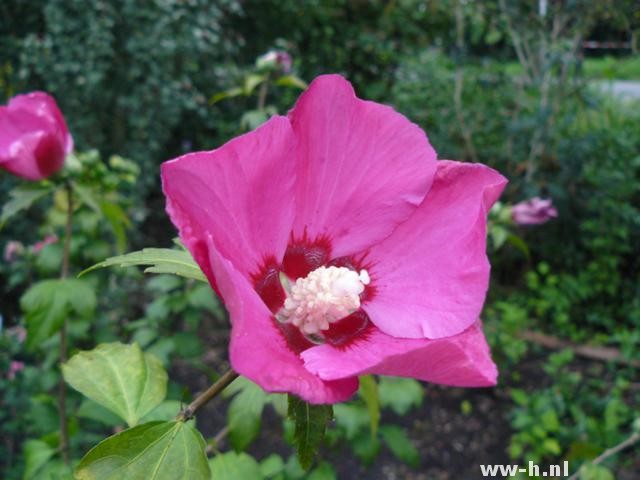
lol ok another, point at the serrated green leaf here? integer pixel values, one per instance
(160, 260)
(234, 466)
(153, 451)
(310, 425)
(369, 393)
(397, 441)
(400, 394)
(46, 305)
(245, 413)
(36, 454)
(119, 377)
(21, 198)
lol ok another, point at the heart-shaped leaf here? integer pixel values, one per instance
(119, 377)
(153, 451)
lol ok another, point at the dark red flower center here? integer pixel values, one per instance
(300, 259)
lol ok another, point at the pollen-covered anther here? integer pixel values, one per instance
(326, 295)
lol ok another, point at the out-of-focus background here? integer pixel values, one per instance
(547, 92)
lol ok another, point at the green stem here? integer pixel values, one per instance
(214, 390)
(64, 273)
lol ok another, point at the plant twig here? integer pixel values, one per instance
(62, 389)
(223, 382)
(633, 439)
(587, 351)
(262, 93)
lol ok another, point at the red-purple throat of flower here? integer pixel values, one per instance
(315, 299)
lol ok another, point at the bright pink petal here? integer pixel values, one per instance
(462, 360)
(242, 194)
(431, 276)
(259, 351)
(44, 106)
(362, 167)
(34, 138)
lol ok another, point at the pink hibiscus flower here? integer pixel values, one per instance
(34, 138)
(534, 211)
(341, 247)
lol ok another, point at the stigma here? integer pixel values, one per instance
(323, 297)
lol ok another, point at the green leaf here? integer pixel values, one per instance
(520, 244)
(36, 454)
(234, 466)
(245, 413)
(291, 81)
(400, 394)
(232, 92)
(369, 393)
(324, 471)
(94, 411)
(310, 425)
(365, 447)
(271, 466)
(153, 451)
(166, 411)
(352, 418)
(397, 441)
(21, 198)
(46, 305)
(596, 472)
(251, 82)
(118, 221)
(119, 377)
(161, 260)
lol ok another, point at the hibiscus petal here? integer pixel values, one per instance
(431, 275)
(259, 351)
(44, 106)
(462, 360)
(242, 194)
(29, 146)
(362, 167)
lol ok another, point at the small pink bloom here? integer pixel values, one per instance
(12, 250)
(34, 138)
(14, 367)
(284, 61)
(341, 246)
(278, 60)
(48, 240)
(19, 332)
(534, 211)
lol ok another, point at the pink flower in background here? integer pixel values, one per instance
(341, 246)
(34, 138)
(12, 250)
(284, 60)
(14, 367)
(275, 60)
(534, 211)
(48, 240)
(18, 332)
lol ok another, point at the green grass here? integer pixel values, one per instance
(626, 68)
(603, 68)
